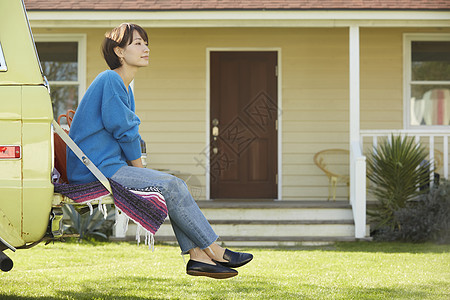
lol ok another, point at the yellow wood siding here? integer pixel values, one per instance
(94, 60)
(171, 94)
(381, 78)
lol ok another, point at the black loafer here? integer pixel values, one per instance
(196, 268)
(235, 259)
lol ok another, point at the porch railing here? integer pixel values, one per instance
(433, 140)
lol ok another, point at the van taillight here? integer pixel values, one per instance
(9, 152)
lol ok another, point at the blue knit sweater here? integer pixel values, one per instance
(105, 127)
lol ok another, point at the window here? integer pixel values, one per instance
(427, 75)
(62, 60)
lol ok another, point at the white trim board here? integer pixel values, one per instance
(279, 104)
(407, 39)
(260, 18)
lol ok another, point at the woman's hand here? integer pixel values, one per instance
(136, 163)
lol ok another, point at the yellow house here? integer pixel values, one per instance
(240, 96)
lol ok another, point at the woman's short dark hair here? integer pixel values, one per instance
(120, 36)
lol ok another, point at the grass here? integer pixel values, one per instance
(358, 270)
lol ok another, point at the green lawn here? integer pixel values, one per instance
(125, 271)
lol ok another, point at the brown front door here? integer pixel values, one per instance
(244, 113)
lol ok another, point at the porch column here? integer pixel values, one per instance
(354, 84)
(357, 160)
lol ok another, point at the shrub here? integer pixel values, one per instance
(88, 225)
(398, 167)
(422, 220)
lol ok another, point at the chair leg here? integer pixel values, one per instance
(330, 189)
(348, 190)
(333, 186)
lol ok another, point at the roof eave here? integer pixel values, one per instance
(242, 18)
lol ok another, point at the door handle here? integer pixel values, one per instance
(215, 129)
(215, 134)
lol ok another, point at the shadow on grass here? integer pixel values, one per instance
(393, 247)
(357, 246)
(363, 246)
(14, 297)
(130, 287)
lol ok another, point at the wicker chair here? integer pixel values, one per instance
(335, 164)
(438, 161)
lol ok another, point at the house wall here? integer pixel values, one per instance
(382, 105)
(171, 95)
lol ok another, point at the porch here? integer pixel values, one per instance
(272, 223)
(435, 141)
(318, 78)
(291, 223)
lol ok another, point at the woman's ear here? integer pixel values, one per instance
(118, 51)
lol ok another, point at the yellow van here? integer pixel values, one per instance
(30, 211)
(26, 155)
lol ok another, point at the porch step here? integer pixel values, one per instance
(267, 223)
(272, 228)
(278, 240)
(276, 210)
(285, 241)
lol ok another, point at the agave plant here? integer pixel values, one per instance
(89, 225)
(400, 172)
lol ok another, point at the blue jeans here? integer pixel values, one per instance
(188, 222)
